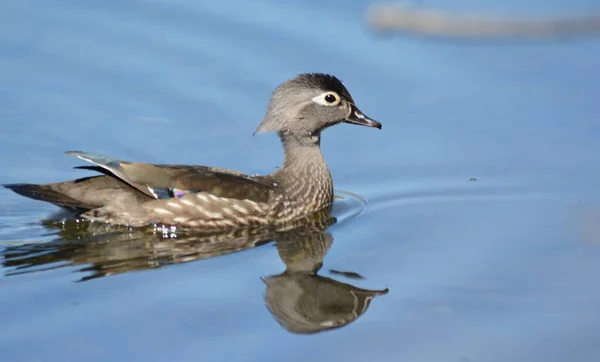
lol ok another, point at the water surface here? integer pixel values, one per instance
(472, 217)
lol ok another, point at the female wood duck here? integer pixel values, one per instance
(214, 199)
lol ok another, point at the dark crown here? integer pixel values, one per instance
(323, 81)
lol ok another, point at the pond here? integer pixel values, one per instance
(467, 229)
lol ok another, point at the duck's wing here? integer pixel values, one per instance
(167, 181)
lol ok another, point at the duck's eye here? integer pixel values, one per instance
(327, 99)
(330, 98)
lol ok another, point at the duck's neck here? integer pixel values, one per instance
(304, 176)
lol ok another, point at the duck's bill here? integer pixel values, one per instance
(358, 117)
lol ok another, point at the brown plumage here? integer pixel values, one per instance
(210, 198)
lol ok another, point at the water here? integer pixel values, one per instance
(476, 206)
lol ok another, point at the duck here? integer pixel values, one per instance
(211, 199)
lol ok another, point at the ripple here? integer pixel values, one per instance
(349, 206)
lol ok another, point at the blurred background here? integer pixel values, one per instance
(476, 205)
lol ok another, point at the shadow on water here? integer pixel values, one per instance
(300, 299)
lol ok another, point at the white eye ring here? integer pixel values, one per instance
(322, 99)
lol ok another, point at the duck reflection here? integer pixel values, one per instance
(300, 300)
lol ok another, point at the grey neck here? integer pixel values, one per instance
(304, 176)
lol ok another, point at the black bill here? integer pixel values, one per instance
(358, 117)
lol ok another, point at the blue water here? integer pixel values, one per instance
(477, 205)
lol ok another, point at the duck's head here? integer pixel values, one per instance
(307, 104)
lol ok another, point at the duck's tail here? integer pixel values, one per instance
(47, 193)
(81, 194)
